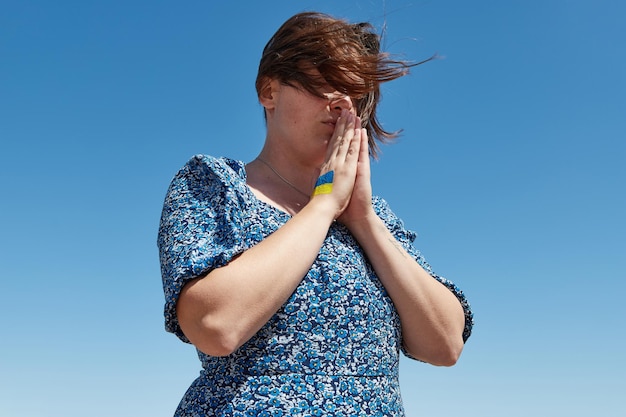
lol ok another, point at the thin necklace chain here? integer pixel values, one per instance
(283, 178)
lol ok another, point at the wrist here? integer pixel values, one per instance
(362, 224)
(322, 208)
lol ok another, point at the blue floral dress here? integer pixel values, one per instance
(331, 349)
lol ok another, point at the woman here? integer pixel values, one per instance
(296, 286)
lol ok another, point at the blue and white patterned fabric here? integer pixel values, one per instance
(332, 348)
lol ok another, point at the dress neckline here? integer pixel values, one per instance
(243, 175)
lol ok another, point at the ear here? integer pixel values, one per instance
(269, 93)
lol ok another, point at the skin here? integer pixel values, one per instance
(308, 136)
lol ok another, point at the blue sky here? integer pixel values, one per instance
(511, 168)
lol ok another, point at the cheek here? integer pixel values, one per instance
(300, 115)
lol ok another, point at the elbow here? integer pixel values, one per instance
(448, 357)
(217, 345)
(211, 338)
(449, 354)
(218, 340)
(208, 328)
(217, 349)
(443, 354)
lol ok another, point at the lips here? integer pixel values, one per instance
(331, 122)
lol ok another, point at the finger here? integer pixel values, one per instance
(354, 147)
(344, 136)
(340, 168)
(364, 154)
(337, 137)
(365, 147)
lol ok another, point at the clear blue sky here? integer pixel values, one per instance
(511, 167)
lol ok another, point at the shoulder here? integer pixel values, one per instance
(205, 186)
(207, 166)
(206, 202)
(207, 174)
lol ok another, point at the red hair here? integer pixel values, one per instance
(347, 56)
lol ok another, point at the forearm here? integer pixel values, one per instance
(431, 316)
(222, 310)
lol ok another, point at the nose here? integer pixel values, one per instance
(339, 101)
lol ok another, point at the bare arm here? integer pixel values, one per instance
(221, 311)
(432, 317)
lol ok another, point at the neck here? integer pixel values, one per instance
(283, 179)
(264, 179)
(292, 168)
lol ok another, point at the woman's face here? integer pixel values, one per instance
(303, 122)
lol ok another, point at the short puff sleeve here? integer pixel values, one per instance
(202, 226)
